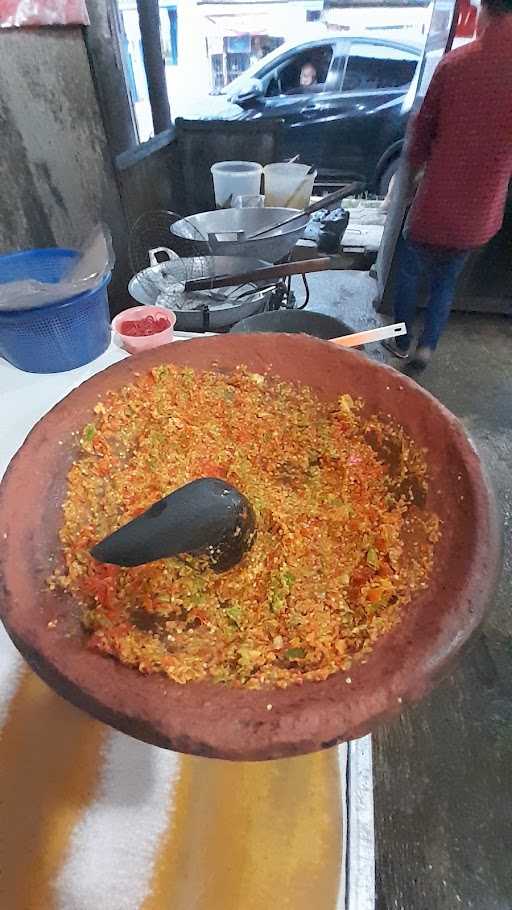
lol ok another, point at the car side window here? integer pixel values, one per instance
(302, 74)
(374, 67)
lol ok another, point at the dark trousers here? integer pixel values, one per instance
(442, 268)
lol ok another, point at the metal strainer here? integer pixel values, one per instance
(161, 261)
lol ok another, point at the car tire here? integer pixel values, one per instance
(386, 177)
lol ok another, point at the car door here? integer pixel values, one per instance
(305, 109)
(370, 115)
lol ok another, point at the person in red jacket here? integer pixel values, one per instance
(461, 139)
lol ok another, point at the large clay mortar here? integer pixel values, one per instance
(215, 720)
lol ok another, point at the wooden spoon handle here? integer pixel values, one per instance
(274, 271)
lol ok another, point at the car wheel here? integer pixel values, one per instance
(386, 177)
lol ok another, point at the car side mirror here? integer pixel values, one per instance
(250, 95)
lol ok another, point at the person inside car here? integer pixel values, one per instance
(308, 76)
(461, 141)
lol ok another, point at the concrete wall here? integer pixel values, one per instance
(56, 175)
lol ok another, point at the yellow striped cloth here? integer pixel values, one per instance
(92, 819)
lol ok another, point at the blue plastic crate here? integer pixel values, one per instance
(58, 336)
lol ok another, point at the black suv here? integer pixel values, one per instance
(344, 100)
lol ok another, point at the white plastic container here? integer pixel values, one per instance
(235, 178)
(288, 185)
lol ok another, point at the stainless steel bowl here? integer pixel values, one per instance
(217, 232)
(145, 286)
(219, 317)
(149, 288)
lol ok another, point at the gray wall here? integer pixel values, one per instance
(56, 174)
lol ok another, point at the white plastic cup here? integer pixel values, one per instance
(288, 185)
(235, 178)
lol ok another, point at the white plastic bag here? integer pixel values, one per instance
(95, 261)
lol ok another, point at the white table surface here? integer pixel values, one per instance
(26, 397)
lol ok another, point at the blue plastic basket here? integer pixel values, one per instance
(58, 336)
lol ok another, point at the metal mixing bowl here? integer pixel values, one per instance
(216, 232)
(149, 288)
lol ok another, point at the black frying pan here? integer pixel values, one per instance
(295, 322)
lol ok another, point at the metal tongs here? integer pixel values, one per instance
(324, 203)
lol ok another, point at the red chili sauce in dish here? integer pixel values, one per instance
(140, 328)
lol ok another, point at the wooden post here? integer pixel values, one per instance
(103, 43)
(149, 22)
